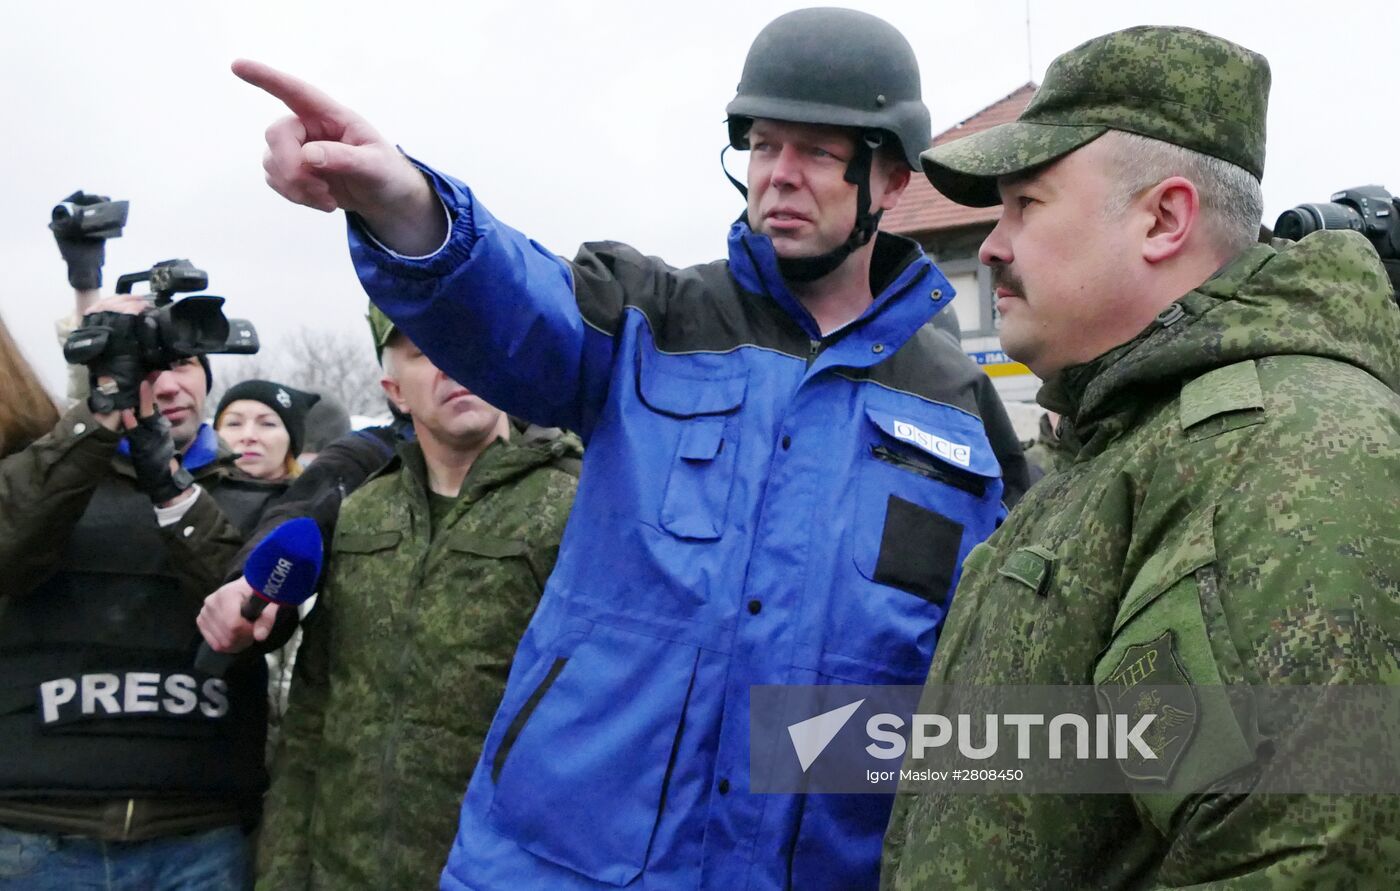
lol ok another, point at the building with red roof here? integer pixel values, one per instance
(951, 234)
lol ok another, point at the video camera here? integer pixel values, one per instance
(125, 348)
(88, 216)
(1370, 210)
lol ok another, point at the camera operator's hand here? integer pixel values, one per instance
(152, 452)
(130, 304)
(114, 392)
(222, 623)
(326, 156)
(116, 420)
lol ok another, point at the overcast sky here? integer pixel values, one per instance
(572, 120)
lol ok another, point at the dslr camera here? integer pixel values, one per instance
(1370, 210)
(123, 348)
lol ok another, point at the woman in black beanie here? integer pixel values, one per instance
(265, 421)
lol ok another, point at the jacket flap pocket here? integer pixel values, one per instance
(1194, 549)
(951, 438)
(671, 389)
(701, 439)
(366, 542)
(486, 546)
(583, 783)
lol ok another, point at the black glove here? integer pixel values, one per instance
(109, 343)
(81, 225)
(84, 257)
(151, 452)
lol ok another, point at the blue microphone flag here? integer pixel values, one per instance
(285, 565)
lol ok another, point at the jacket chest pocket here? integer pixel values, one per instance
(1022, 615)
(697, 428)
(494, 592)
(926, 495)
(368, 561)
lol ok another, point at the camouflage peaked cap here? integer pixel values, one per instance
(1178, 85)
(381, 329)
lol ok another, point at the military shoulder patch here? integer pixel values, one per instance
(1149, 680)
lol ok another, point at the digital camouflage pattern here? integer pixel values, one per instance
(1178, 85)
(403, 664)
(1233, 505)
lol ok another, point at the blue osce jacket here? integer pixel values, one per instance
(758, 505)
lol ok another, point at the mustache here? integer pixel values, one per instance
(1004, 277)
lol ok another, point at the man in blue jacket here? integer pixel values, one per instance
(785, 467)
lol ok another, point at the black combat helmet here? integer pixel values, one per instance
(842, 68)
(833, 66)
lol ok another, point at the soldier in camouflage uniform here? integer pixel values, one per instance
(433, 572)
(1233, 499)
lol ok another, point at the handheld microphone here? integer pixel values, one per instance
(282, 569)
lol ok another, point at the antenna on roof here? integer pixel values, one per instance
(1030, 71)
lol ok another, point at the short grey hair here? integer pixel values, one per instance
(1232, 201)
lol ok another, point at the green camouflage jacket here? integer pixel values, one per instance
(1237, 485)
(403, 663)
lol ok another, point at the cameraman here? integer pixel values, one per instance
(123, 764)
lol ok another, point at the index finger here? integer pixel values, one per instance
(147, 397)
(298, 95)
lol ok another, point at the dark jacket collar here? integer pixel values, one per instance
(898, 268)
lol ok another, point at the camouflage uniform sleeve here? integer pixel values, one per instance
(1291, 577)
(284, 845)
(553, 513)
(895, 832)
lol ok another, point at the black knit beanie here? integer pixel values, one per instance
(290, 404)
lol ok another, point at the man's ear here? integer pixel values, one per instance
(391, 389)
(1174, 207)
(895, 183)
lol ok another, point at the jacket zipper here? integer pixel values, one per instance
(405, 655)
(966, 482)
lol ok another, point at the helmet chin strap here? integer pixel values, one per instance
(800, 270)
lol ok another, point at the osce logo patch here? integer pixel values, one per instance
(952, 451)
(132, 694)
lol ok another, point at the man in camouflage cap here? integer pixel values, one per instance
(433, 571)
(1231, 502)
